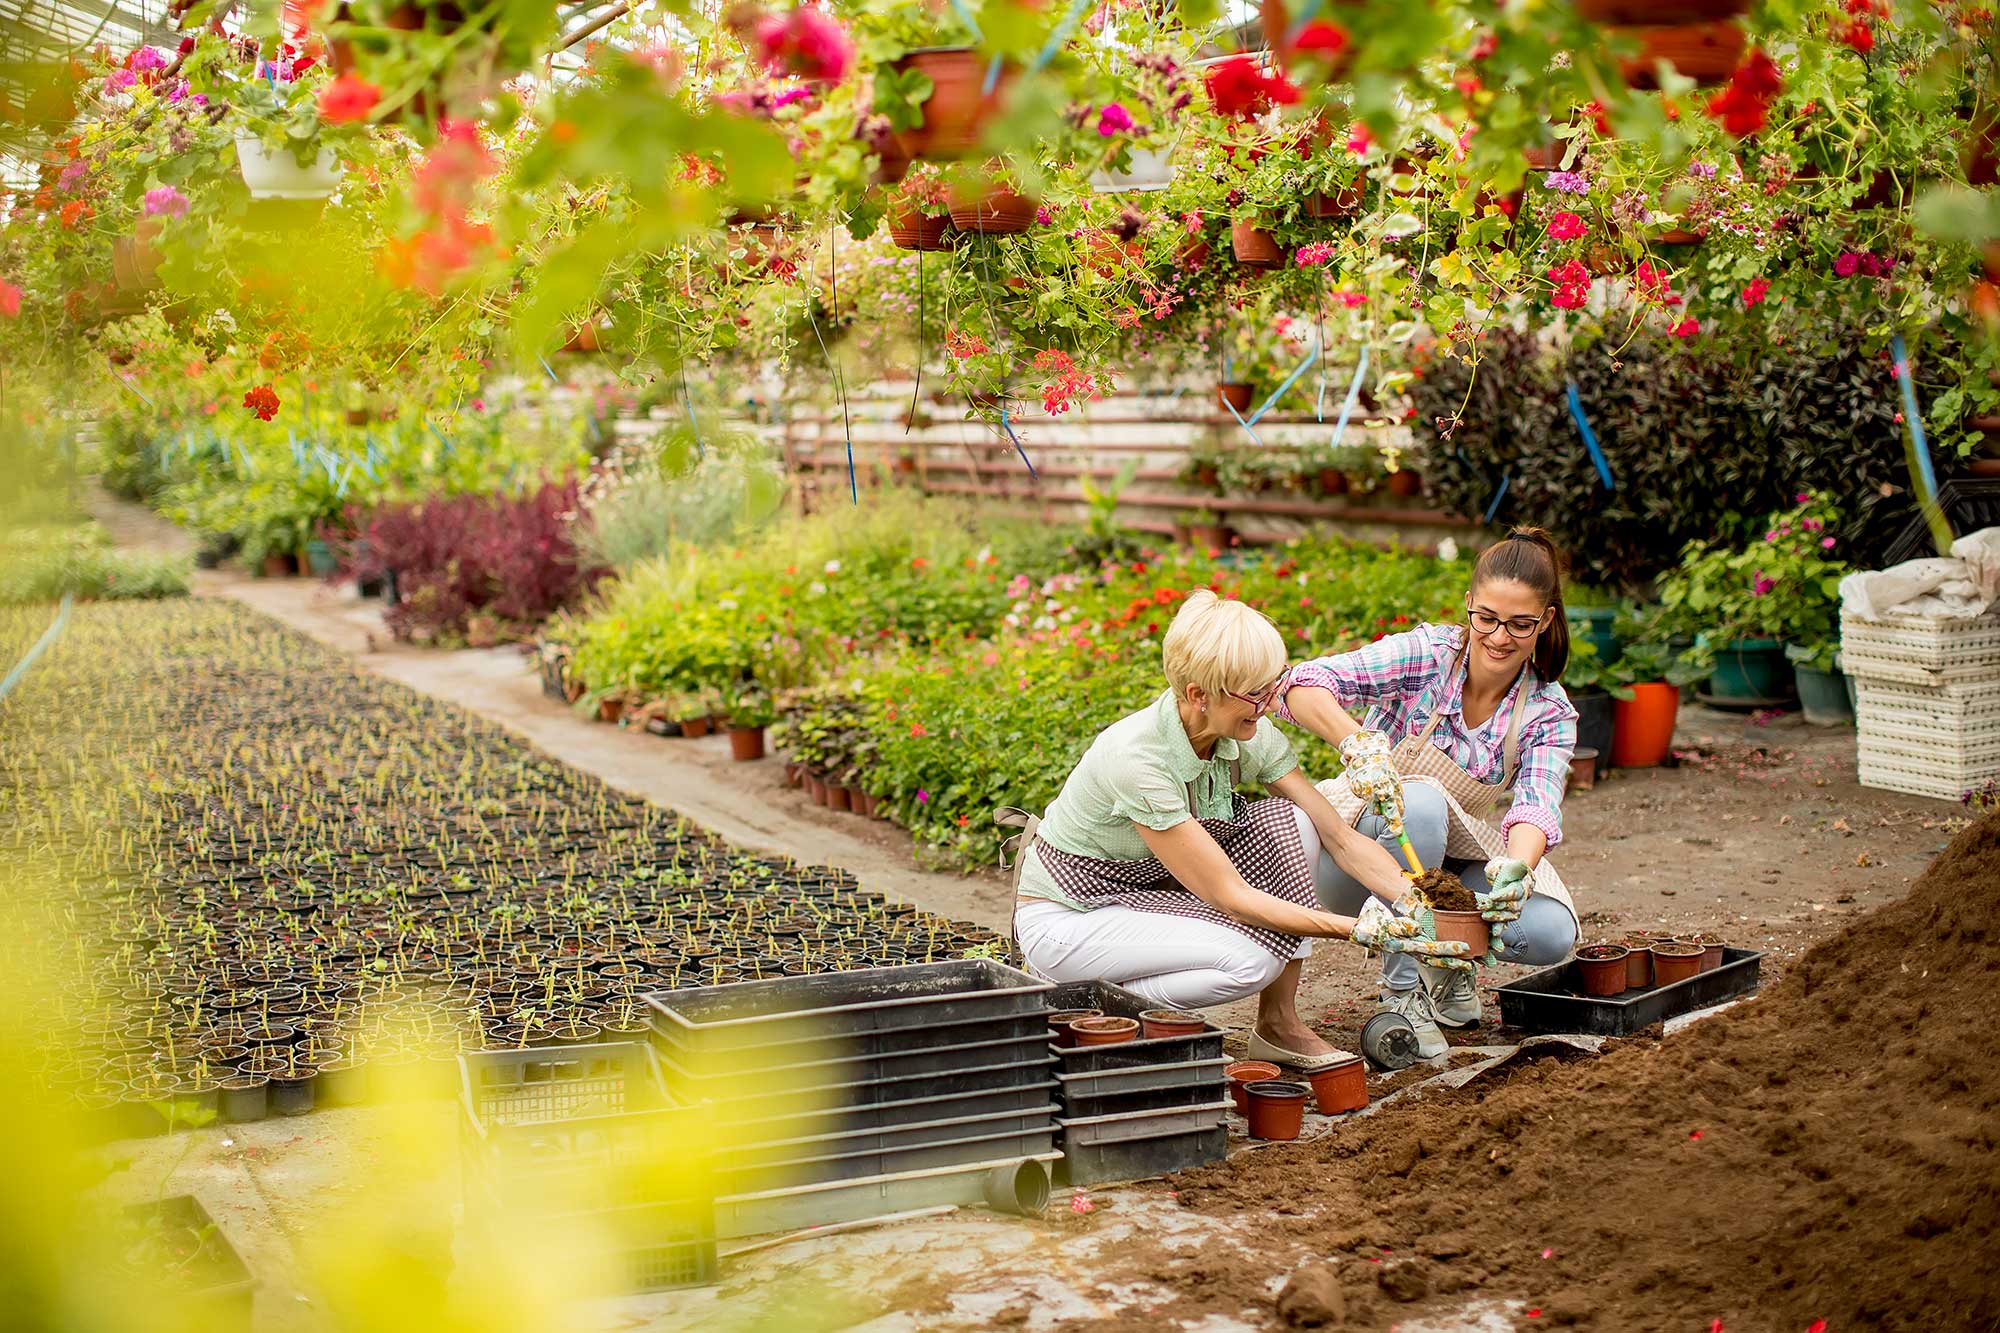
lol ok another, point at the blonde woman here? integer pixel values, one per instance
(1150, 869)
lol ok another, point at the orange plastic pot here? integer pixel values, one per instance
(837, 797)
(1242, 1074)
(746, 743)
(1708, 53)
(1060, 1019)
(1170, 1023)
(997, 211)
(1340, 1088)
(1675, 962)
(1638, 962)
(1466, 926)
(1104, 1030)
(1277, 1108)
(960, 104)
(1255, 247)
(1237, 396)
(694, 728)
(1601, 969)
(1642, 727)
(912, 230)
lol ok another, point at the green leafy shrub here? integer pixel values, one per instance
(41, 564)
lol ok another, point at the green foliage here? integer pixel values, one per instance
(41, 564)
(1785, 586)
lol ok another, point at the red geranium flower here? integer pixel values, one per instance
(1566, 227)
(1744, 104)
(1859, 36)
(10, 299)
(1572, 282)
(348, 98)
(1322, 38)
(263, 400)
(1238, 88)
(1753, 291)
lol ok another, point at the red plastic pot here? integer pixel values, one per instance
(1675, 962)
(1711, 952)
(1708, 53)
(995, 211)
(1638, 962)
(1466, 926)
(1340, 1088)
(746, 743)
(1277, 1108)
(912, 230)
(1237, 396)
(816, 788)
(837, 797)
(694, 728)
(1583, 768)
(1255, 247)
(1242, 1074)
(279, 566)
(1104, 1030)
(1342, 205)
(610, 710)
(1601, 969)
(1060, 1020)
(1170, 1023)
(1405, 483)
(1642, 727)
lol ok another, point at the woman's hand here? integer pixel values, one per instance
(1379, 929)
(1508, 878)
(1371, 774)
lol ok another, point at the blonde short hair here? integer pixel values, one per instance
(1221, 645)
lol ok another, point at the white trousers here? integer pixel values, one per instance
(1174, 961)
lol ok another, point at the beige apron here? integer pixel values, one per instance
(1469, 832)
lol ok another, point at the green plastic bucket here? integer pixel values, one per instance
(1749, 672)
(1826, 696)
(1594, 623)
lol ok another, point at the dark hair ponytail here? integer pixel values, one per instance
(1526, 556)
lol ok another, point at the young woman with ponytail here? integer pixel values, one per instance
(1458, 715)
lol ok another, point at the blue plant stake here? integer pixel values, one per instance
(688, 407)
(1353, 397)
(840, 388)
(41, 646)
(1498, 496)
(1589, 438)
(1248, 422)
(1007, 424)
(1920, 452)
(547, 369)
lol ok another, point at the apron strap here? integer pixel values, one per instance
(1016, 846)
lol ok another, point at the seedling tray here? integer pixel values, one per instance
(695, 1054)
(987, 1147)
(879, 999)
(1547, 1001)
(888, 1138)
(1089, 1131)
(807, 1122)
(803, 1206)
(1203, 1045)
(1009, 1064)
(1141, 1159)
(696, 1074)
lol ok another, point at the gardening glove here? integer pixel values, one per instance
(1372, 777)
(1379, 929)
(1508, 879)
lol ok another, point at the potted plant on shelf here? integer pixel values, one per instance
(1206, 530)
(750, 710)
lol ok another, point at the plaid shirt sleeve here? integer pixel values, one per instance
(1392, 667)
(1548, 738)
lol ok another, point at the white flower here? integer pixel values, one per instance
(816, 588)
(1447, 549)
(985, 554)
(833, 566)
(726, 604)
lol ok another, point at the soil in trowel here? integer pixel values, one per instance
(1445, 892)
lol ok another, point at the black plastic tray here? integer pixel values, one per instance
(1007, 1065)
(1092, 1130)
(1547, 1001)
(697, 1074)
(781, 1123)
(795, 1172)
(1141, 1159)
(1203, 1045)
(876, 999)
(691, 1052)
(1203, 1074)
(888, 1137)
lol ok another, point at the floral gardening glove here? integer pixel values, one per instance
(1372, 777)
(1380, 929)
(1508, 882)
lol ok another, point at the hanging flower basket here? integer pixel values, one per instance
(914, 230)
(1151, 170)
(1708, 53)
(1344, 204)
(1255, 247)
(1679, 236)
(272, 175)
(956, 112)
(996, 211)
(135, 262)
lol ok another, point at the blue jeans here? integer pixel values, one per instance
(1543, 935)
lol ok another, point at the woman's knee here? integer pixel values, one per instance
(1544, 934)
(1426, 819)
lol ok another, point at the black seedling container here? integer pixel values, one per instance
(1203, 1045)
(1548, 1001)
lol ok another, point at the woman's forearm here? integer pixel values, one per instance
(1527, 844)
(1192, 857)
(1361, 857)
(1254, 907)
(1318, 710)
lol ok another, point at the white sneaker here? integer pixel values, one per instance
(1454, 998)
(1414, 1004)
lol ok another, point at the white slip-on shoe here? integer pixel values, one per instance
(1259, 1048)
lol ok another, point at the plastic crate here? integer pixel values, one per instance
(903, 1114)
(1932, 741)
(693, 1073)
(1920, 642)
(1009, 1065)
(1181, 1075)
(1203, 1045)
(823, 1204)
(915, 1135)
(1141, 1159)
(789, 1010)
(983, 1147)
(1547, 1001)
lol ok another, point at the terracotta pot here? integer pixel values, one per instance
(1332, 481)
(1344, 204)
(1170, 1023)
(1340, 1088)
(1060, 1019)
(1211, 536)
(1277, 1108)
(1638, 962)
(1466, 926)
(1242, 1074)
(1678, 236)
(1675, 962)
(997, 212)
(816, 789)
(1108, 255)
(1104, 1030)
(912, 230)
(135, 262)
(1601, 969)
(956, 112)
(1711, 952)
(610, 709)
(1583, 768)
(1236, 395)
(585, 339)
(746, 743)
(1405, 483)
(837, 797)
(1642, 727)
(1659, 11)
(1544, 156)
(694, 728)
(1255, 247)
(279, 566)
(1708, 53)
(1192, 254)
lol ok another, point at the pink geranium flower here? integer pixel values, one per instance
(806, 43)
(165, 201)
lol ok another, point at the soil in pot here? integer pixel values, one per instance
(1170, 1023)
(1059, 1022)
(1711, 950)
(1601, 969)
(1242, 1074)
(1277, 1108)
(1104, 1030)
(1675, 962)
(1340, 1088)
(1444, 891)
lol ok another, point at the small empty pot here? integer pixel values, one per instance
(1277, 1108)
(1170, 1023)
(1242, 1074)
(1638, 962)
(1060, 1020)
(1583, 768)
(1104, 1030)
(1676, 960)
(1340, 1088)
(1601, 969)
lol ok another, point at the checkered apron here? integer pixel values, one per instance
(1260, 838)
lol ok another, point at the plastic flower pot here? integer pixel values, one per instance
(1583, 768)
(1277, 1108)
(1405, 483)
(746, 743)
(1255, 247)
(1822, 694)
(815, 788)
(1638, 962)
(1708, 53)
(1060, 1019)
(1642, 727)
(291, 1094)
(610, 709)
(694, 728)
(1601, 969)
(994, 211)
(277, 175)
(245, 1097)
(1340, 1088)
(1593, 724)
(1466, 926)
(911, 229)
(956, 112)
(1344, 204)
(1210, 536)
(1242, 1074)
(278, 565)
(1676, 961)
(1170, 1023)
(1750, 673)
(1104, 1030)
(1711, 952)
(837, 797)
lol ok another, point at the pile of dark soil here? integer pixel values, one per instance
(1825, 1152)
(1444, 891)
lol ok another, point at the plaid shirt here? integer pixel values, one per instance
(1405, 678)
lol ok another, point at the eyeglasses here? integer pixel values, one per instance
(1520, 627)
(1264, 699)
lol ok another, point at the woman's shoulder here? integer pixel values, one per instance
(1551, 701)
(1129, 740)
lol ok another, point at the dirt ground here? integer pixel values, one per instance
(1759, 833)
